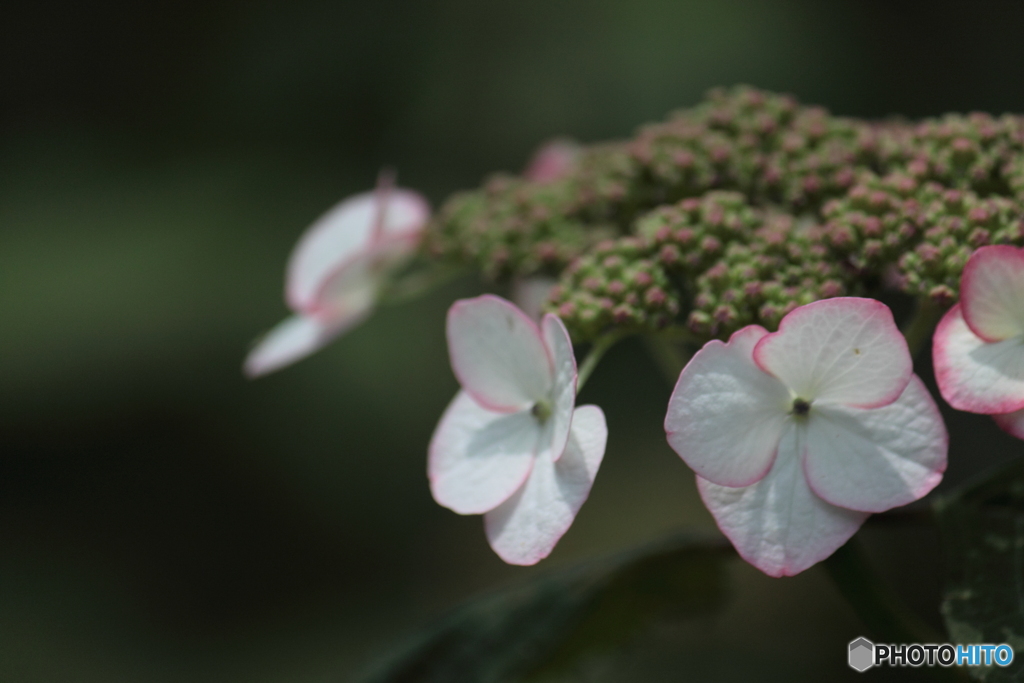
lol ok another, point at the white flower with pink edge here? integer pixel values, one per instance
(797, 436)
(978, 348)
(336, 271)
(511, 445)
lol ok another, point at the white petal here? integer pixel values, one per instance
(530, 294)
(974, 375)
(845, 350)
(358, 280)
(525, 528)
(992, 292)
(478, 458)
(498, 354)
(726, 415)
(1011, 423)
(563, 390)
(779, 525)
(346, 229)
(295, 338)
(877, 458)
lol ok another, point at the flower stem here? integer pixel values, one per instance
(418, 283)
(597, 350)
(918, 330)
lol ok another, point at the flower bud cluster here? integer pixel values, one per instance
(782, 266)
(953, 224)
(730, 263)
(619, 284)
(975, 152)
(741, 208)
(874, 222)
(513, 227)
(747, 264)
(692, 234)
(763, 145)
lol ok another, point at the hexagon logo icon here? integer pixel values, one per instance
(862, 654)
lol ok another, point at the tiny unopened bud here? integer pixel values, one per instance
(622, 314)
(941, 295)
(830, 288)
(710, 245)
(669, 255)
(655, 296)
(612, 262)
(979, 237)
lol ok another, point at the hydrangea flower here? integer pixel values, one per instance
(978, 348)
(336, 271)
(511, 445)
(797, 436)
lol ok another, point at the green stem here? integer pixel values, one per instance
(597, 350)
(918, 330)
(418, 282)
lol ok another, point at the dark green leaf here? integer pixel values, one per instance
(546, 624)
(982, 528)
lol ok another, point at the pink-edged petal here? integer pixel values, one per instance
(845, 350)
(358, 280)
(531, 293)
(563, 388)
(992, 292)
(726, 415)
(552, 161)
(346, 229)
(778, 524)
(478, 458)
(1011, 423)
(295, 338)
(498, 354)
(525, 528)
(974, 375)
(877, 458)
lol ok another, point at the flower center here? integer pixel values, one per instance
(801, 407)
(541, 410)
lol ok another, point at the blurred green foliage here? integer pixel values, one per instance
(541, 629)
(162, 519)
(982, 526)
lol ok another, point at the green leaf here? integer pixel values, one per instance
(545, 625)
(982, 528)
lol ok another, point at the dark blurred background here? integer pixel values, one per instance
(163, 519)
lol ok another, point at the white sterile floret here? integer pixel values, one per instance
(511, 445)
(978, 348)
(797, 436)
(336, 271)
